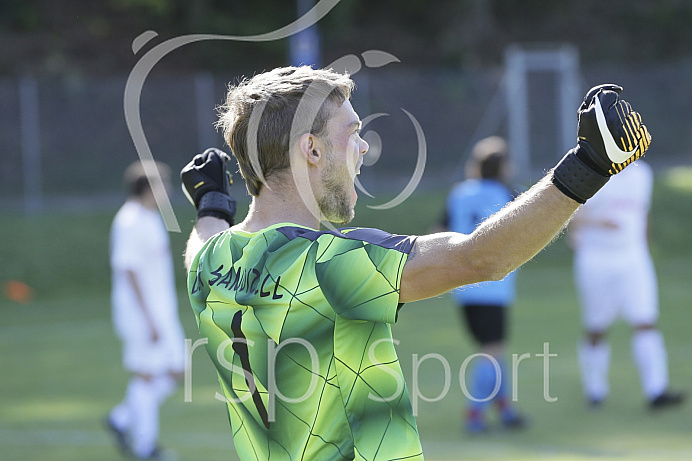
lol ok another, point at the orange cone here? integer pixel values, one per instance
(18, 291)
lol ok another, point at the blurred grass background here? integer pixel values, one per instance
(60, 368)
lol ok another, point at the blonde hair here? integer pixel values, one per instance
(262, 115)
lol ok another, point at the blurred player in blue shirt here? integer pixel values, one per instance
(483, 305)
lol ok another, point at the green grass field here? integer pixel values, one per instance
(60, 360)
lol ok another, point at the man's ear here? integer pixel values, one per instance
(311, 148)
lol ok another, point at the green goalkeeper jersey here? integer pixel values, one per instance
(298, 325)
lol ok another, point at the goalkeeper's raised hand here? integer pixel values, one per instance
(610, 137)
(206, 183)
(610, 131)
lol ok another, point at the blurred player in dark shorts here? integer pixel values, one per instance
(484, 305)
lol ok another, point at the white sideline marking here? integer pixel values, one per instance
(96, 438)
(33, 332)
(17, 437)
(434, 450)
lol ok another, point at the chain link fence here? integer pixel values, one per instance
(65, 142)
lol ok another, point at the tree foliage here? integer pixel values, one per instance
(95, 37)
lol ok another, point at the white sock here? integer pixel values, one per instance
(594, 362)
(165, 386)
(121, 414)
(144, 430)
(649, 353)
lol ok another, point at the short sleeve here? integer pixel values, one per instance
(359, 272)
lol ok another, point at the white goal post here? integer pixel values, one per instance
(520, 62)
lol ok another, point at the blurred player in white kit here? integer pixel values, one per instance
(615, 277)
(145, 313)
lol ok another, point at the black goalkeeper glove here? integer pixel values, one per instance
(610, 137)
(207, 182)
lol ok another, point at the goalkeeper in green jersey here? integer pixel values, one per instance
(297, 319)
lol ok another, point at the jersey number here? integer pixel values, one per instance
(240, 348)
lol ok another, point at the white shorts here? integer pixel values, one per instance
(616, 285)
(147, 357)
(142, 355)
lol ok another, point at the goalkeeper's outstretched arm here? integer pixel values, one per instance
(610, 137)
(503, 242)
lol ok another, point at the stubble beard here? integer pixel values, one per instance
(335, 202)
